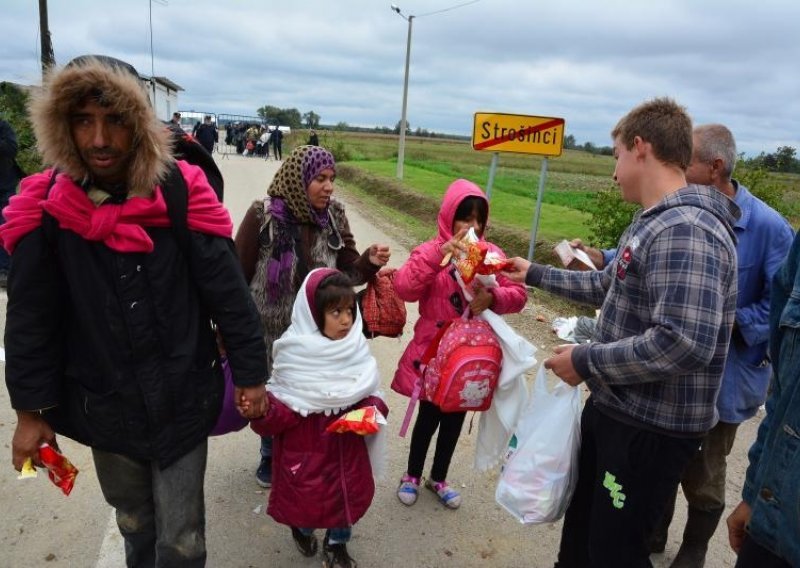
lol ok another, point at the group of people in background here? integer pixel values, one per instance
(109, 342)
(252, 139)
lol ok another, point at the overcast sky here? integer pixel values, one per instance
(733, 62)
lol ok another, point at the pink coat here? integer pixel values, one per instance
(422, 279)
(319, 480)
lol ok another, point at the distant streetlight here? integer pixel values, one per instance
(401, 148)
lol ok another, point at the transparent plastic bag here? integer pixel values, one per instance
(538, 479)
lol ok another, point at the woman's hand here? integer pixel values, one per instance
(379, 254)
(454, 246)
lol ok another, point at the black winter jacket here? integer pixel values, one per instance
(118, 345)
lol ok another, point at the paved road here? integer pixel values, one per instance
(39, 526)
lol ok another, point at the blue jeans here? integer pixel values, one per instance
(335, 536)
(266, 447)
(160, 513)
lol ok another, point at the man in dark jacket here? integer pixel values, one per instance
(207, 134)
(277, 143)
(9, 178)
(108, 336)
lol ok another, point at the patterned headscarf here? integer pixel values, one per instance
(290, 184)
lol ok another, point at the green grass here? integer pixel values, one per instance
(513, 201)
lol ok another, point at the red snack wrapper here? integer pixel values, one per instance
(362, 421)
(468, 266)
(493, 263)
(59, 468)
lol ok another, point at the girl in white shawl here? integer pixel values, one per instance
(322, 369)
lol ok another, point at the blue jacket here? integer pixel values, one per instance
(771, 486)
(764, 239)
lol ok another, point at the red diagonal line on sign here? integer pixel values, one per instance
(524, 132)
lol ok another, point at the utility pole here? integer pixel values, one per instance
(48, 57)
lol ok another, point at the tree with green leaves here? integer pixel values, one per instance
(13, 109)
(311, 119)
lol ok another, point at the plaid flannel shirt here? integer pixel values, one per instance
(668, 307)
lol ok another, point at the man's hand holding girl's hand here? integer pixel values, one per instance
(251, 402)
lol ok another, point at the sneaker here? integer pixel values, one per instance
(307, 545)
(449, 497)
(264, 473)
(336, 556)
(408, 490)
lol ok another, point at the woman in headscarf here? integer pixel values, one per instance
(298, 227)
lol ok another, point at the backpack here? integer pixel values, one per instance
(460, 368)
(383, 312)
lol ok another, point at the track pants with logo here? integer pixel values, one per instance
(626, 476)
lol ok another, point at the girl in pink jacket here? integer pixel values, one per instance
(422, 279)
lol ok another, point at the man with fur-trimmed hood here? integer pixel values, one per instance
(108, 336)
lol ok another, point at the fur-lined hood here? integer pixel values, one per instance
(65, 88)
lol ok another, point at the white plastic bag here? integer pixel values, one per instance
(539, 477)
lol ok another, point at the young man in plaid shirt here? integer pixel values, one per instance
(655, 365)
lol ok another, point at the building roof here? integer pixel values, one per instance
(166, 82)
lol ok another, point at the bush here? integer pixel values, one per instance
(336, 145)
(609, 218)
(763, 186)
(13, 109)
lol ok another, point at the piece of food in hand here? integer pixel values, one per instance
(27, 471)
(60, 470)
(362, 421)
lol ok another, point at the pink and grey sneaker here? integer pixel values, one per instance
(408, 490)
(449, 497)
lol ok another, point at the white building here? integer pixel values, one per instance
(163, 95)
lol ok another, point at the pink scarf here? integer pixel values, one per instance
(121, 227)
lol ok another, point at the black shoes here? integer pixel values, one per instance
(307, 545)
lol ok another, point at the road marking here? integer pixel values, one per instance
(112, 551)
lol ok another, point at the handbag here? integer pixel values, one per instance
(540, 474)
(229, 419)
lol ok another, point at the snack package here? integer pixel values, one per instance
(478, 259)
(60, 470)
(569, 255)
(362, 421)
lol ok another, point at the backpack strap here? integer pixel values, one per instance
(49, 223)
(430, 353)
(176, 197)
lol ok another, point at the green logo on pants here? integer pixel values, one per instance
(614, 489)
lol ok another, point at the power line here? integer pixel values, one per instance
(447, 9)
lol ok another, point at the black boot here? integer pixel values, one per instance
(700, 527)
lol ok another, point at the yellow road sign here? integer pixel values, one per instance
(518, 133)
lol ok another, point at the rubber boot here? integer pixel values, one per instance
(700, 527)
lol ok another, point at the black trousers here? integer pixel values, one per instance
(626, 476)
(429, 418)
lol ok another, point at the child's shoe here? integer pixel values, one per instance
(336, 556)
(449, 497)
(307, 545)
(408, 490)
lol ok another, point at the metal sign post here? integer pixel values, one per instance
(535, 228)
(492, 170)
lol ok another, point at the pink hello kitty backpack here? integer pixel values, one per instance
(460, 368)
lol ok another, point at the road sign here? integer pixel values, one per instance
(518, 133)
